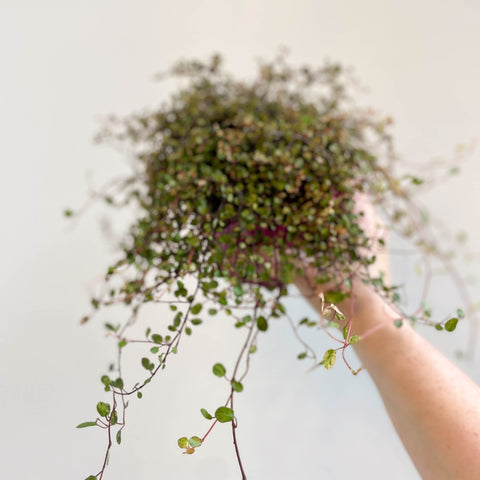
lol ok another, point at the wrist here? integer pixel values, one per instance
(364, 310)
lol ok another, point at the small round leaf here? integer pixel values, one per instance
(196, 308)
(329, 359)
(219, 370)
(103, 409)
(114, 418)
(237, 386)
(262, 324)
(206, 414)
(183, 442)
(451, 324)
(195, 441)
(224, 414)
(147, 364)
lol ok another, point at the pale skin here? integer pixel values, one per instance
(433, 405)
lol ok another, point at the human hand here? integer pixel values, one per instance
(360, 297)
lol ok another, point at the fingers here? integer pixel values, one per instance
(376, 230)
(369, 221)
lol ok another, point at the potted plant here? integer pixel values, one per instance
(239, 186)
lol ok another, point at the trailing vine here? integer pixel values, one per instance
(239, 187)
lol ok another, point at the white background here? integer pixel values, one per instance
(63, 66)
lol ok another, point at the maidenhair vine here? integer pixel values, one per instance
(238, 187)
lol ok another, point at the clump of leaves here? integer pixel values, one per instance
(234, 181)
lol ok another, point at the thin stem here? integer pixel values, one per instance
(209, 430)
(235, 443)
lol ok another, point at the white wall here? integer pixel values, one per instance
(64, 64)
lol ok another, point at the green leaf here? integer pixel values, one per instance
(329, 359)
(206, 414)
(398, 323)
(196, 308)
(157, 338)
(451, 324)
(335, 297)
(118, 383)
(438, 326)
(224, 414)
(416, 181)
(354, 339)
(119, 437)
(302, 355)
(212, 311)
(281, 307)
(195, 441)
(87, 424)
(103, 409)
(147, 364)
(183, 442)
(178, 319)
(114, 418)
(111, 327)
(91, 477)
(222, 300)
(219, 370)
(237, 386)
(238, 291)
(262, 324)
(68, 213)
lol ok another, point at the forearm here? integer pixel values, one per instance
(434, 406)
